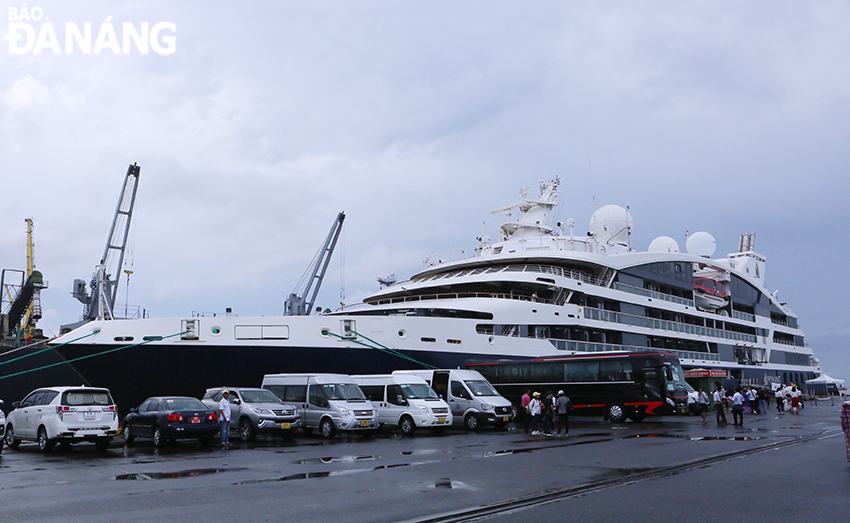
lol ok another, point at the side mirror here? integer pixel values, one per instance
(133, 410)
(16, 404)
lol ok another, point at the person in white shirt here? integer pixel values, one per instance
(738, 407)
(720, 404)
(224, 418)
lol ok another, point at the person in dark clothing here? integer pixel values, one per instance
(563, 405)
(548, 413)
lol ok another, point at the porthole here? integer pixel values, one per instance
(557, 313)
(492, 340)
(402, 333)
(326, 332)
(215, 331)
(533, 310)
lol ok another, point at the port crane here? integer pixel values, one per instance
(24, 298)
(297, 304)
(99, 304)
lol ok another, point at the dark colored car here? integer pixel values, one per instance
(171, 418)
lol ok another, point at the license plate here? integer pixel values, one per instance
(284, 425)
(196, 419)
(88, 415)
(506, 418)
(364, 423)
(441, 420)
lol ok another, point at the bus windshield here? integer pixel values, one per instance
(481, 388)
(678, 381)
(417, 391)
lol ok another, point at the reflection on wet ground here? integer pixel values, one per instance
(338, 459)
(173, 475)
(331, 473)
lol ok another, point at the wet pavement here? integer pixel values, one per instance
(668, 469)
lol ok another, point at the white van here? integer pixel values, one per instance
(328, 402)
(404, 400)
(471, 398)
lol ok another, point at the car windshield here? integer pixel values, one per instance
(259, 396)
(184, 404)
(76, 398)
(481, 388)
(343, 391)
(417, 391)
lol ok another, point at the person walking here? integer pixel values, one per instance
(526, 399)
(762, 400)
(845, 426)
(738, 407)
(779, 396)
(702, 402)
(224, 418)
(720, 404)
(563, 405)
(534, 411)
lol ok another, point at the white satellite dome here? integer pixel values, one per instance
(664, 244)
(612, 224)
(702, 244)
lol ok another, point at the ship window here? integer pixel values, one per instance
(455, 342)
(152, 338)
(123, 338)
(215, 331)
(429, 340)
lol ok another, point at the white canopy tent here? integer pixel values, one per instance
(825, 383)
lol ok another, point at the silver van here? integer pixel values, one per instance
(471, 398)
(405, 401)
(329, 402)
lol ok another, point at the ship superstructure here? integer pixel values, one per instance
(537, 291)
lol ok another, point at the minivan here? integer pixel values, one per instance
(471, 398)
(405, 401)
(328, 402)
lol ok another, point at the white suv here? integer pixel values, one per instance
(65, 415)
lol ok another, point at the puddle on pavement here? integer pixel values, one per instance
(338, 459)
(330, 473)
(146, 476)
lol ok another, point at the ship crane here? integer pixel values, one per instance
(100, 302)
(24, 299)
(297, 303)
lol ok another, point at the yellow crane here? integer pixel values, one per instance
(33, 312)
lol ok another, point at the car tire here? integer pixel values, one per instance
(128, 434)
(407, 425)
(158, 438)
(326, 427)
(102, 444)
(471, 421)
(11, 441)
(44, 443)
(247, 432)
(615, 412)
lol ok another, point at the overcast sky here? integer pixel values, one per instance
(417, 119)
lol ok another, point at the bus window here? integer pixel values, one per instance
(581, 371)
(547, 372)
(617, 370)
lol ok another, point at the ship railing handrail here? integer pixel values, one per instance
(746, 316)
(654, 323)
(545, 269)
(459, 295)
(653, 294)
(590, 346)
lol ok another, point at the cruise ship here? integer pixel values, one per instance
(538, 290)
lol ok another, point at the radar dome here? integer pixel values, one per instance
(664, 244)
(612, 224)
(701, 244)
